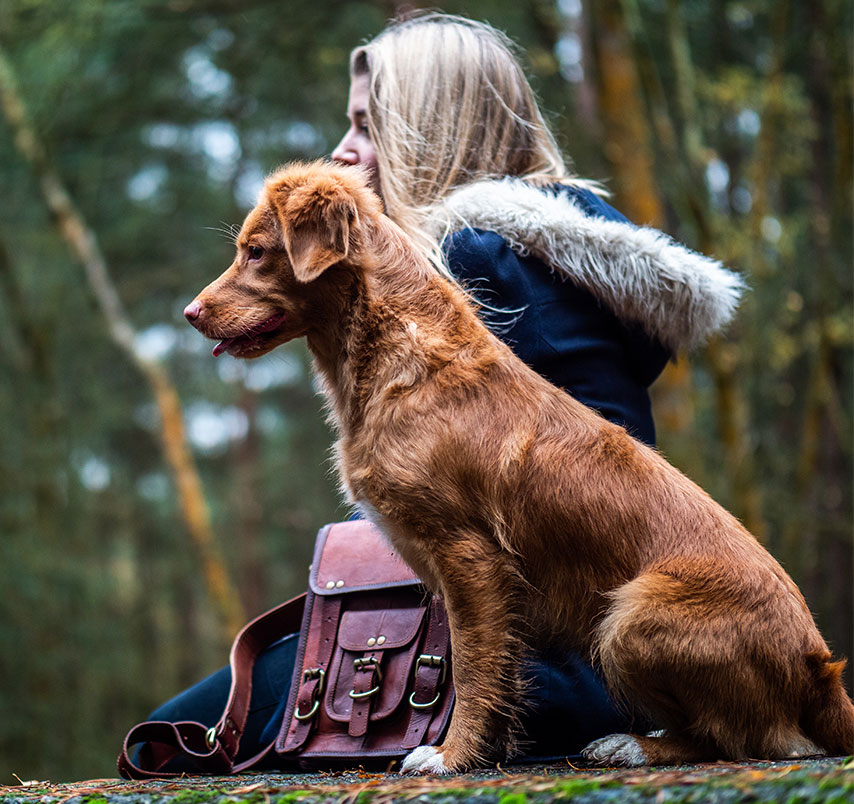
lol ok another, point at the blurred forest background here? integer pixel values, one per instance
(151, 498)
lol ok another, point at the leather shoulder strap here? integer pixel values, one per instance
(211, 750)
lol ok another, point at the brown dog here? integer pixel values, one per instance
(535, 519)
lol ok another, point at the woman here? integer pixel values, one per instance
(442, 114)
(439, 110)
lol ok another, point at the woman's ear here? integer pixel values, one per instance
(318, 208)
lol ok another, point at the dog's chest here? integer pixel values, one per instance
(383, 462)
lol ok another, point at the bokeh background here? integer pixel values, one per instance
(152, 498)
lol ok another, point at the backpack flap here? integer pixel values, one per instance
(355, 556)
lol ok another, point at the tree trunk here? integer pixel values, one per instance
(249, 508)
(83, 243)
(627, 137)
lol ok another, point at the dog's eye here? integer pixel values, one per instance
(255, 252)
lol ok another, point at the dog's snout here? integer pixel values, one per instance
(193, 311)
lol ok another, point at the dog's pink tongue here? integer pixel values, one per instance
(222, 346)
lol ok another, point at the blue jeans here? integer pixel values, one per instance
(567, 704)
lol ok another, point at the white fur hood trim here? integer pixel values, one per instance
(677, 295)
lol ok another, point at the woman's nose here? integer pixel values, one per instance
(345, 153)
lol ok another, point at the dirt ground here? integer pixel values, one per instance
(819, 781)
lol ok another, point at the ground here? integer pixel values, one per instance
(824, 781)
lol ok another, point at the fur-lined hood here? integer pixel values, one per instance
(678, 296)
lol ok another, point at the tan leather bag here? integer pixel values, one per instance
(372, 678)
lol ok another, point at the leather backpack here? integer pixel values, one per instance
(372, 678)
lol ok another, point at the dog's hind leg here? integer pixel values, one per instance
(717, 665)
(477, 583)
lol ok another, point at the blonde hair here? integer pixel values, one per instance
(449, 104)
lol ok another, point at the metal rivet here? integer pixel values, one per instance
(339, 584)
(380, 640)
(330, 584)
(371, 642)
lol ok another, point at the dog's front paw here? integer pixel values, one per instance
(615, 749)
(425, 759)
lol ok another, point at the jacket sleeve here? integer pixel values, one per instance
(559, 329)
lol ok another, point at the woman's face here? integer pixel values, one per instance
(356, 147)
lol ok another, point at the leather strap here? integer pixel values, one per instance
(211, 750)
(366, 683)
(429, 675)
(326, 614)
(162, 742)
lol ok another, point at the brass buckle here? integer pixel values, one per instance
(363, 663)
(308, 675)
(210, 737)
(425, 660)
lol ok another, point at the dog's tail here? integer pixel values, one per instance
(827, 717)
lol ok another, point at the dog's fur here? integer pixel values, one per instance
(538, 522)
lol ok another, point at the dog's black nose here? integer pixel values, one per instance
(193, 310)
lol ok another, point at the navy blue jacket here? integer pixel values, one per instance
(561, 330)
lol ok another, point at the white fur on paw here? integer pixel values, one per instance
(803, 747)
(424, 759)
(616, 749)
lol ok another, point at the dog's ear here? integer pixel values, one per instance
(319, 216)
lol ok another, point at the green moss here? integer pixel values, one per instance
(513, 798)
(195, 796)
(569, 788)
(291, 798)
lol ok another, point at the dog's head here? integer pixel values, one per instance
(310, 218)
